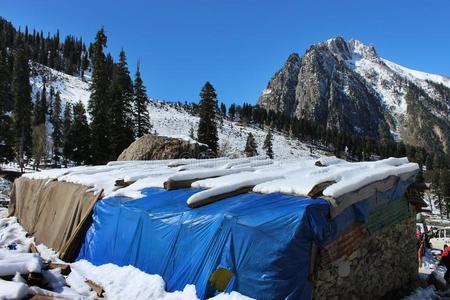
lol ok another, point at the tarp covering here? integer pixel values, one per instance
(264, 240)
(53, 212)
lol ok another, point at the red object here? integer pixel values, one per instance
(446, 252)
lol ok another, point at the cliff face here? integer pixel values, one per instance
(347, 86)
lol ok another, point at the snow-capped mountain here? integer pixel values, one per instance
(172, 120)
(346, 85)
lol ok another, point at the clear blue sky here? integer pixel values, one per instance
(239, 44)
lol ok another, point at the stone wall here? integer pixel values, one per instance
(384, 261)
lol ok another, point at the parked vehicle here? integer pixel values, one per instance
(441, 238)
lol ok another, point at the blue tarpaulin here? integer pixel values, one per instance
(263, 239)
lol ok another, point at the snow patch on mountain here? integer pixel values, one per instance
(390, 80)
(417, 75)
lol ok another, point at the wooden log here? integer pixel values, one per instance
(209, 200)
(318, 189)
(40, 297)
(95, 287)
(33, 249)
(174, 185)
(182, 184)
(123, 183)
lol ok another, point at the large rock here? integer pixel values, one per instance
(153, 147)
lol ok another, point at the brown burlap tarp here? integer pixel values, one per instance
(55, 213)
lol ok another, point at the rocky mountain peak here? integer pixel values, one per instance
(293, 59)
(361, 50)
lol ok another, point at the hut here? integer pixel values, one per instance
(267, 229)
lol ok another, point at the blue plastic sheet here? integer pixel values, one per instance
(264, 239)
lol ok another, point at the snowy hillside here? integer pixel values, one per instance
(72, 89)
(168, 120)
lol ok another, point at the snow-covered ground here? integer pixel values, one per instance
(71, 88)
(125, 282)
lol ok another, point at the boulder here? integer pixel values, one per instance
(153, 147)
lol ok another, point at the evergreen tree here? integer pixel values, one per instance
(40, 109)
(99, 102)
(268, 144)
(21, 91)
(6, 106)
(79, 135)
(191, 133)
(223, 109)
(232, 111)
(251, 148)
(207, 127)
(122, 131)
(57, 122)
(141, 115)
(67, 126)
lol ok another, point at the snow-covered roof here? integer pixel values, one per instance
(221, 176)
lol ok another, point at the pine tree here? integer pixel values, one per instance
(191, 133)
(223, 109)
(122, 131)
(232, 111)
(251, 148)
(207, 127)
(40, 108)
(21, 91)
(57, 134)
(268, 144)
(67, 126)
(80, 135)
(99, 102)
(141, 115)
(6, 106)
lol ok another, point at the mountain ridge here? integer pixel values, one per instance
(348, 86)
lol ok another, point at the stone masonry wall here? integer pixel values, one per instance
(383, 262)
